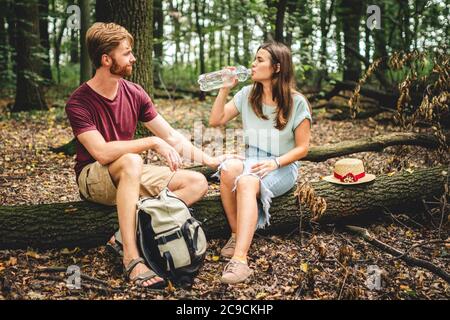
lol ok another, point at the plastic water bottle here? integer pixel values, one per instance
(221, 78)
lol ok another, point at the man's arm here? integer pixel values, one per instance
(161, 128)
(107, 152)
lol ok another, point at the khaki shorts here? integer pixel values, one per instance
(96, 184)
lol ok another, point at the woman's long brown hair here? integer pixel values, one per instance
(283, 85)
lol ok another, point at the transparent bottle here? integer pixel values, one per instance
(218, 79)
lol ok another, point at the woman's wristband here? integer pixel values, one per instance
(277, 162)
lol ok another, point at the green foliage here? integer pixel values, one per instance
(233, 29)
(70, 77)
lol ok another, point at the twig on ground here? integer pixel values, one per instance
(420, 245)
(63, 269)
(367, 236)
(343, 284)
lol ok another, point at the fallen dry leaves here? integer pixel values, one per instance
(325, 263)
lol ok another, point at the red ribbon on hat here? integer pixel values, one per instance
(350, 175)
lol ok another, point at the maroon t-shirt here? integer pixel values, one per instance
(116, 119)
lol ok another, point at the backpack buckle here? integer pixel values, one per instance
(171, 237)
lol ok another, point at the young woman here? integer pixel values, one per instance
(276, 121)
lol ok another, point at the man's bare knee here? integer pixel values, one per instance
(130, 164)
(189, 179)
(200, 182)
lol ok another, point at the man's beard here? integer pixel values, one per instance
(120, 71)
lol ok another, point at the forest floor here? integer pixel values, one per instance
(323, 262)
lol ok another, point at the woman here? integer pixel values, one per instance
(276, 122)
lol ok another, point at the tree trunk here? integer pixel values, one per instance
(176, 25)
(212, 55)
(367, 44)
(279, 22)
(374, 144)
(305, 37)
(350, 12)
(379, 42)
(158, 36)
(229, 32)
(386, 99)
(29, 93)
(290, 23)
(44, 40)
(137, 17)
(221, 48)
(323, 34)
(85, 63)
(404, 4)
(246, 34)
(199, 30)
(57, 43)
(4, 51)
(339, 55)
(12, 35)
(321, 153)
(74, 47)
(86, 224)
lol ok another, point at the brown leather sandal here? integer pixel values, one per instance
(141, 278)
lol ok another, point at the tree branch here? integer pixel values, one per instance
(368, 237)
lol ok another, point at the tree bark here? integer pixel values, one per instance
(158, 34)
(137, 17)
(176, 25)
(379, 37)
(279, 22)
(375, 144)
(305, 38)
(12, 35)
(4, 51)
(57, 44)
(350, 12)
(85, 63)
(201, 38)
(74, 46)
(325, 22)
(379, 73)
(246, 34)
(321, 153)
(29, 94)
(386, 99)
(85, 224)
(44, 40)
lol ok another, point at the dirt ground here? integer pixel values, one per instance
(323, 262)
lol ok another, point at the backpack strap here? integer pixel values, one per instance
(170, 237)
(169, 260)
(192, 241)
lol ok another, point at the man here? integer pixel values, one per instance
(103, 113)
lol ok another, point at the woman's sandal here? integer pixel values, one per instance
(141, 278)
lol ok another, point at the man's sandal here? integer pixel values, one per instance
(116, 248)
(141, 278)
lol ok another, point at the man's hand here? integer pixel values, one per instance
(167, 151)
(216, 161)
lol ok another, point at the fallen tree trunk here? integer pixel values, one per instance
(85, 224)
(378, 143)
(363, 114)
(387, 99)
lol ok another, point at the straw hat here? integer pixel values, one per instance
(349, 171)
